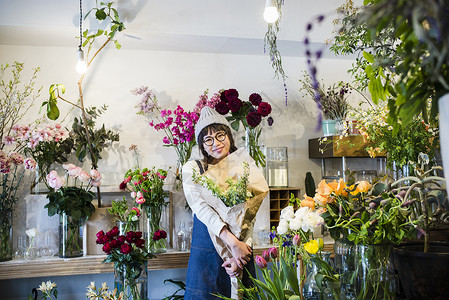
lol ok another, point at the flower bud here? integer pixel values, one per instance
(261, 262)
(296, 240)
(273, 252)
(266, 255)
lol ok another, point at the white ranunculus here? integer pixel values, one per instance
(295, 224)
(287, 213)
(283, 227)
(311, 221)
(31, 233)
(302, 212)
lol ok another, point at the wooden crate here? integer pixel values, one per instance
(279, 199)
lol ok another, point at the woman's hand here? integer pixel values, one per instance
(240, 250)
(232, 268)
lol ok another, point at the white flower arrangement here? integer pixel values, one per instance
(303, 219)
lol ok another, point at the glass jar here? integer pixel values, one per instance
(70, 236)
(132, 280)
(344, 258)
(277, 166)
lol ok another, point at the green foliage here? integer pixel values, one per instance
(74, 201)
(270, 41)
(121, 212)
(235, 193)
(409, 53)
(181, 287)
(99, 138)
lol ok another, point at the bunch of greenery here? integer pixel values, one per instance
(235, 193)
(334, 100)
(100, 137)
(122, 213)
(404, 144)
(405, 53)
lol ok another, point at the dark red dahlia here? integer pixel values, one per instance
(222, 108)
(235, 104)
(255, 99)
(264, 109)
(253, 119)
(270, 121)
(231, 94)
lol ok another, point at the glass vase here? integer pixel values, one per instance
(311, 291)
(6, 236)
(344, 258)
(132, 280)
(70, 236)
(152, 223)
(374, 273)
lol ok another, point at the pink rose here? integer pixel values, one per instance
(95, 175)
(54, 181)
(68, 166)
(84, 177)
(74, 171)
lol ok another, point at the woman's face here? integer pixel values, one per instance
(217, 145)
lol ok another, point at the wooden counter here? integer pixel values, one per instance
(92, 264)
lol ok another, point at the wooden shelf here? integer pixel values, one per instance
(90, 264)
(350, 146)
(279, 199)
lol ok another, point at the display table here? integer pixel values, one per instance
(92, 264)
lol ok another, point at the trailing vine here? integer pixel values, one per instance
(270, 41)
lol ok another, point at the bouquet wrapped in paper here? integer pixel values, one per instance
(235, 187)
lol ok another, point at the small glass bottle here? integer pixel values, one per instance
(182, 238)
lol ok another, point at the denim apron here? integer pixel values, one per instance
(205, 275)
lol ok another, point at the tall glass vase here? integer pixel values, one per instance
(132, 280)
(70, 236)
(311, 290)
(344, 260)
(375, 278)
(5, 235)
(252, 138)
(152, 223)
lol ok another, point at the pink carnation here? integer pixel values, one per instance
(16, 158)
(30, 164)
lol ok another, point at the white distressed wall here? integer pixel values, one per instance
(179, 49)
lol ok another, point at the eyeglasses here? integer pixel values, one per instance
(220, 136)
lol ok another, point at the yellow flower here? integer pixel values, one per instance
(362, 187)
(311, 247)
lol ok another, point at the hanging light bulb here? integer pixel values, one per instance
(81, 66)
(271, 13)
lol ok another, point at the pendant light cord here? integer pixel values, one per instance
(81, 24)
